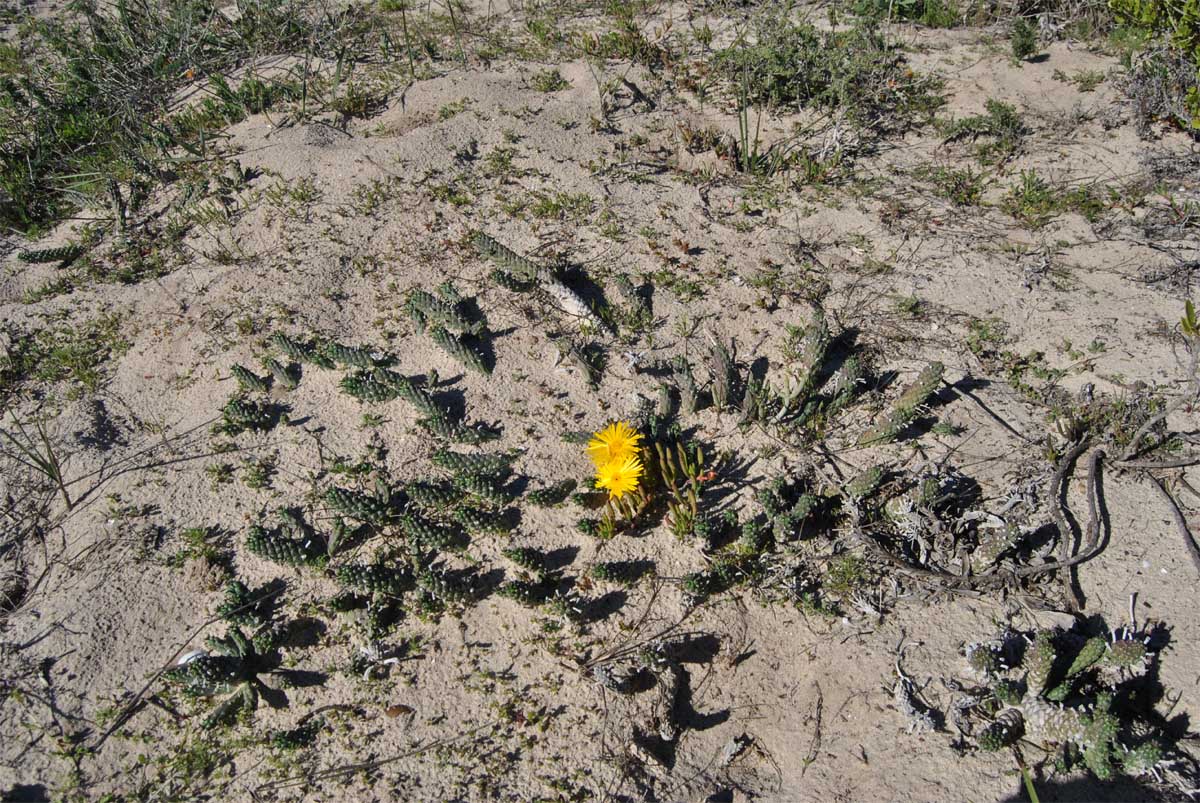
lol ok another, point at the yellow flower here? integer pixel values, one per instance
(620, 477)
(615, 442)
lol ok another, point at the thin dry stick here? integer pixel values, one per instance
(1180, 523)
(1181, 462)
(814, 744)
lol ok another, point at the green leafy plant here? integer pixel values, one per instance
(1024, 39)
(1000, 126)
(789, 63)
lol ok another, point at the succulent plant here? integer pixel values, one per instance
(287, 376)
(240, 415)
(905, 408)
(755, 538)
(63, 253)
(301, 352)
(621, 572)
(407, 390)
(811, 353)
(510, 282)
(865, 483)
(232, 668)
(526, 592)
(518, 271)
(365, 386)
(845, 385)
(274, 546)
(689, 395)
(443, 427)
(374, 578)
(1071, 693)
(483, 464)
(482, 489)
(589, 527)
(529, 559)
(424, 535)
(248, 380)
(724, 375)
(717, 578)
(788, 507)
(241, 606)
(444, 587)
(352, 356)
(519, 267)
(361, 506)
(433, 496)
(426, 308)
(551, 495)
(484, 521)
(457, 348)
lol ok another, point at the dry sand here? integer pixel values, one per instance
(498, 710)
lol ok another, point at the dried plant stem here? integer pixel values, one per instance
(997, 577)
(1065, 533)
(1188, 541)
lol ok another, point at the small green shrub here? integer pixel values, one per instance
(550, 81)
(856, 71)
(961, 187)
(1000, 128)
(1024, 39)
(87, 103)
(931, 13)
(1170, 70)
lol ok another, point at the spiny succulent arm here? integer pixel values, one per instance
(244, 696)
(689, 395)
(813, 349)
(483, 464)
(520, 267)
(905, 408)
(287, 376)
(248, 380)
(64, 253)
(724, 375)
(846, 385)
(352, 356)
(423, 306)
(456, 348)
(864, 483)
(367, 387)
(300, 352)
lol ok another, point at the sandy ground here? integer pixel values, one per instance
(495, 706)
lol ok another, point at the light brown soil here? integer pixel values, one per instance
(499, 708)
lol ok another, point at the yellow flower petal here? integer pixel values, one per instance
(620, 477)
(615, 442)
